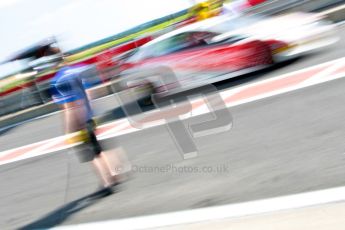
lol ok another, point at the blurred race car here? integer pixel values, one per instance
(194, 59)
(224, 47)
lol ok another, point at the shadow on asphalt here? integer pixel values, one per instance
(58, 216)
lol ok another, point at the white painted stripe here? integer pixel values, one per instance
(40, 144)
(40, 150)
(6, 152)
(119, 129)
(200, 110)
(285, 90)
(220, 212)
(325, 73)
(286, 75)
(120, 124)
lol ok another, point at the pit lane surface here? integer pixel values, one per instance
(280, 145)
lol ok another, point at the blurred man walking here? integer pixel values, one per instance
(68, 90)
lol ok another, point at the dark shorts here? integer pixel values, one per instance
(91, 147)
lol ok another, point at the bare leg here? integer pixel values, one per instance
(112, 162)
(113, 165)
(116, 160)
(103, 171)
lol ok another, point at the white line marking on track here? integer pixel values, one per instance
(282, 91)
(119, 125)
(240, 87)
(301, 200)
(324, 73)
(41, 150)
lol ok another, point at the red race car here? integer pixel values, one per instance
(191, 54)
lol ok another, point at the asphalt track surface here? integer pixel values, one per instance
(285, 144)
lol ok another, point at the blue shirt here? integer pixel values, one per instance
(68, 85)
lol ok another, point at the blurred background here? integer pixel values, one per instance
(283, 145)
